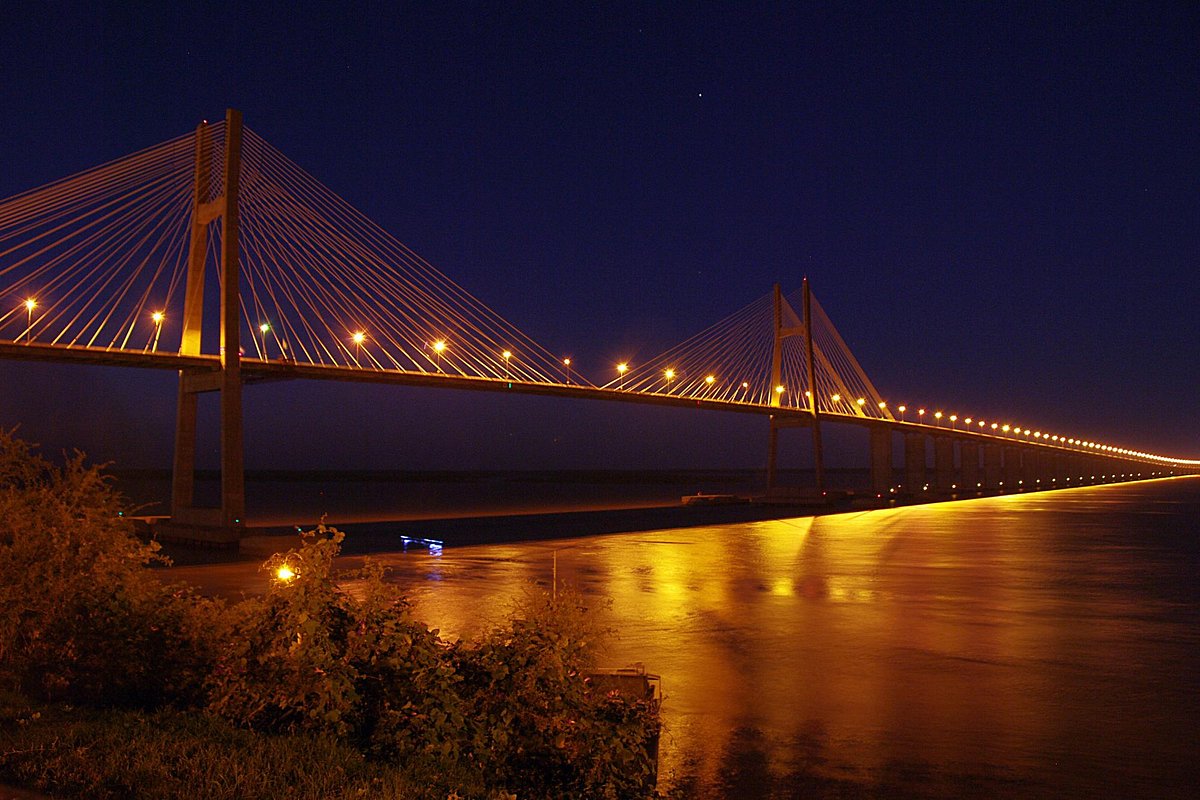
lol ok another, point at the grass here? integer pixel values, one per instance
(99, 754)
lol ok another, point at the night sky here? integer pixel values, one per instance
(998, 206)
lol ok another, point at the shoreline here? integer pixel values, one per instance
(376, 536)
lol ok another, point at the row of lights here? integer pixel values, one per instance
(439, 346)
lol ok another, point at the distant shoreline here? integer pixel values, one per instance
(635, 476)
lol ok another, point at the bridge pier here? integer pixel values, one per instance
(1012, 469)
(968, 455)
(914, 462)
(943, 463)
(881, 461)
(992, 466)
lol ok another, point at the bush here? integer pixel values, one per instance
(342, 656)
(535, 720)
(80, 616)
(321, 661)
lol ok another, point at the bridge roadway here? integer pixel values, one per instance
(1006, 462)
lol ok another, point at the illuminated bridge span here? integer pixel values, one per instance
(111, 266)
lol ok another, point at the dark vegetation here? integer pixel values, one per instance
(118, 684)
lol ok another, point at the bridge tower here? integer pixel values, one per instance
(781, 331)
(224, 521)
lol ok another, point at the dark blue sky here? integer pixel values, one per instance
(997, 206)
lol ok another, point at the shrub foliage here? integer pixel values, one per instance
(337, 656)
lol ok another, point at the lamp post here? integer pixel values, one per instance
(622, 368)
(567, 365)
(438, 347)
(669, 374)
(157, 318)
(359, 337)
(507, 356)
(30, 305)
(264, 329)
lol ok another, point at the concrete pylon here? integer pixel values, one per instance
(914, 462)
(943, 463)
(968, 456)
(222, 523)
(881, 461)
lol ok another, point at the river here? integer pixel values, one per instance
(1035, 645)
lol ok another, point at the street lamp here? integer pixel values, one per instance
(920, 414)
(953, 419)
(622, 368)
(157, 318)
(669, 374)
(30, 305)
(567, 364)
(358, 338)
(507, 356)
(264, 329)
(902, 409)
(438, 347)
(937, 418)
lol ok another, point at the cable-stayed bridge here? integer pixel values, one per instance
(215, 255)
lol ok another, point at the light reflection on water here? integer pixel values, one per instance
(1034, 645)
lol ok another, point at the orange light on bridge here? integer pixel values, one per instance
(778, 390)
(439, 346)
(862, 401)
(157, 318)
(710, 379)
(1005, 428)
(669, 374)
(995, 425)
(284, 573)
(622, 368)
(30, 305)
(837, 398)
(359, 337)
(882, 405)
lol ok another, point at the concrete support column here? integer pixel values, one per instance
(1045, 466)
(881, 461)
(968, 456)
(1029, 468)
(943, 463)
(914, 462)
(992, 465)
(1012, 469)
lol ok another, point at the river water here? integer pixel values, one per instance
(1035, 645)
